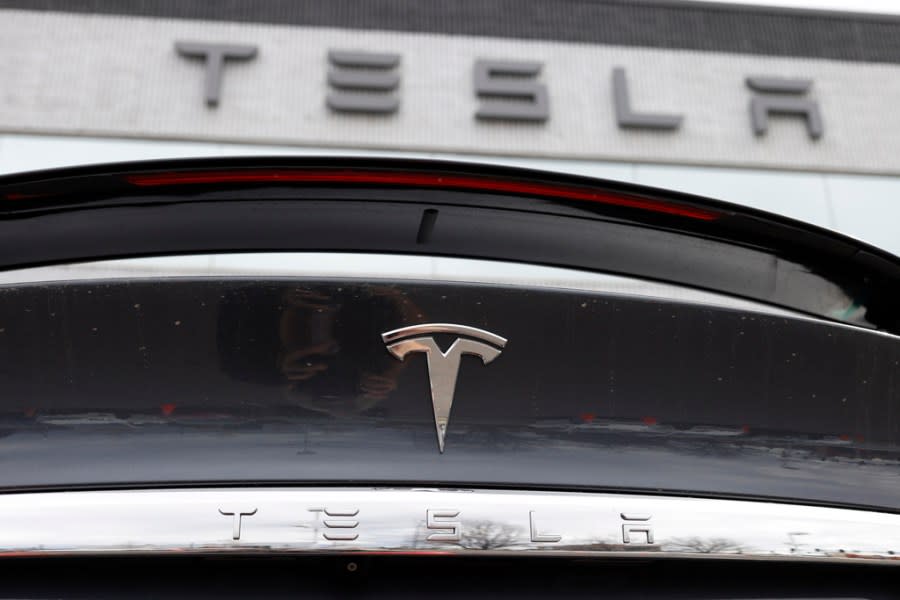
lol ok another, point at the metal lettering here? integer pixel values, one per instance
(362, 82)
(521, 100)
(237, 515)
(342, 522)
(636, 523)
(439, 519)
(540, 537)
(626, 117)
(215, 56)
(763, 105)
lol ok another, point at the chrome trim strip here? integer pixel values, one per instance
(379, 267)
(438, 521)
(394, 267)
(429, 328)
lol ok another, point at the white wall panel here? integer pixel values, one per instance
(120, 76)
(867, 208)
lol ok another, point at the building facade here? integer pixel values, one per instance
(788, 111)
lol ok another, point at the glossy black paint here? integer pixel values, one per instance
(95, 212)
(194, 381)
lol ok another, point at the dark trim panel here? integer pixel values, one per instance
(655, 24)
(186, 382)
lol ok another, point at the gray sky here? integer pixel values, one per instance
(875, 6)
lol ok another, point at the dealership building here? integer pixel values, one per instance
(794, 112)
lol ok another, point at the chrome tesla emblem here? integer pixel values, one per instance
(443, 367)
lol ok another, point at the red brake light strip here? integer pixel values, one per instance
(456, 182)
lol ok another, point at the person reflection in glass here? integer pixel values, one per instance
(324, 342)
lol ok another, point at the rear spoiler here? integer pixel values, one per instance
(447, 209)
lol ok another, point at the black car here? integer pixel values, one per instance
(256, 377)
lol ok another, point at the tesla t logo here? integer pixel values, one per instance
(443, 367)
